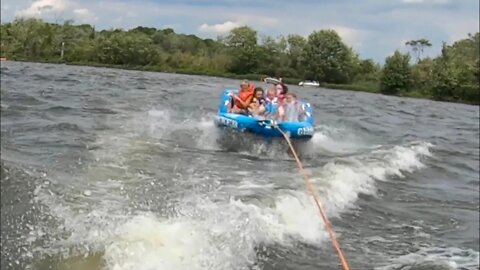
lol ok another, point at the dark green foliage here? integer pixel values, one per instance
(327, 58)
(452, 76)
(396, 75)
(422, 74)
(367, 70)
(242, 49)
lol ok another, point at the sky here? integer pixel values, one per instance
(373, 28)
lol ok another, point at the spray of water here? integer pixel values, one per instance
(210, 230)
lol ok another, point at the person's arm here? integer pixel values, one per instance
(251, 106)
(239, 100)
(244, 103)
(262, 106)
(261, 109)
(281, 113)
(303, 111)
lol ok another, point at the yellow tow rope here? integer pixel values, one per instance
(316, 197)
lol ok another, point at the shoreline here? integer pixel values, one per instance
(356, 87)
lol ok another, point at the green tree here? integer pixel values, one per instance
(368, 70)
(422, 75)
(418, 46)
(327, 58)
(296, 54)
(121, 48)
(149, 31)
(444, 80)
(396, 75)
(271, 56)
(27, 43)
(242, 44)
(7, 41)
(455, 75)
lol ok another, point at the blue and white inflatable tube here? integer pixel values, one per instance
(264, 127)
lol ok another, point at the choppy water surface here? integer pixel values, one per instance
(113, 169)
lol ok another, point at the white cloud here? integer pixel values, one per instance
(219, 28)
(85, 15)
(352, 36)
(39, 7)
(82, 12)
(460, 29)
(255, 21)
(63, 8)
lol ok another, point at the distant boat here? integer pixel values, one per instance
(309, 83)
(272, 80)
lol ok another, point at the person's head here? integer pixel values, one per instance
(281, 89)
(278, 89)
(271, 93)
(258, 94)
(244, 85)
(290, 97)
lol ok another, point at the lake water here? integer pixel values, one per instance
(115, 169)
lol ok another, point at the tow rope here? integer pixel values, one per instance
(316, 197)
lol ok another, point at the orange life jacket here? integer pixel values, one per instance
(245, 95)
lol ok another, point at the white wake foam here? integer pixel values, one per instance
(447, 258)
(342, 180)
(220, 233)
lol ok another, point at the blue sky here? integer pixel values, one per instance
(374, 28)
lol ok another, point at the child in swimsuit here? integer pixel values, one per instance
(257, 106)
(291, 109)
(271, 103)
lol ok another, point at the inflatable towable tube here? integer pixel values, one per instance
(264, 127)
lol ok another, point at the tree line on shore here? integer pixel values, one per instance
(454, 75)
